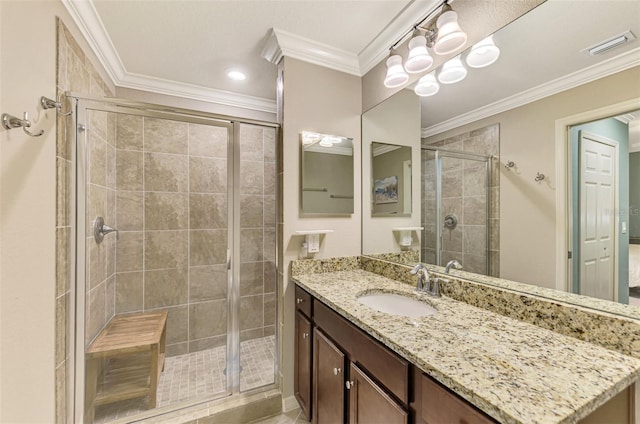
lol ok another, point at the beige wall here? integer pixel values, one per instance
(391, 123)
(28, 215)
(527, 137)
(325, 101)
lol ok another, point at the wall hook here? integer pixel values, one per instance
(10, 122)
(47, 103)
(539, 177)
(510, 164)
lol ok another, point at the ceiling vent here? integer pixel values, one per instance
(611, 43)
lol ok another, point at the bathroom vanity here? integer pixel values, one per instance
(463, 364)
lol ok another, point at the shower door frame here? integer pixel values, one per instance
(439, 154)
(80, 104)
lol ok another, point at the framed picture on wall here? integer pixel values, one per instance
(385, 190)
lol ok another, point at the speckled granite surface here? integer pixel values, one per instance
(608, 324)
(514, 371)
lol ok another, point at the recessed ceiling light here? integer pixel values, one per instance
(236, 75)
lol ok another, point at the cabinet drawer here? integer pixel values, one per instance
(303, 301)
(382, 364)
(438, 405)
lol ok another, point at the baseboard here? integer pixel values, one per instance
(289, 404)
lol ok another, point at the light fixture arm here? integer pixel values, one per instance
(430, 29)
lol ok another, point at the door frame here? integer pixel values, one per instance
(564, 220)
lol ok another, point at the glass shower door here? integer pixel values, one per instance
(456, 202)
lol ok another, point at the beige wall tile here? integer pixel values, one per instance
(165, 172)
(110, 297)
(97, 159)
(474, 239)
(451, 183)
(165, 249)
(269, 213)
(98, 121)
(451, 239)
(270, 277)
(165, 211)
(251, 312)
(61, 323)
(475, 182)
(269, 237)
(474, 263)
(207, 343)
(110, 166)
(475, 210)
(251, 278)
(208, 211)
(165, 287)
(207, 319)
(208, 247)
(164, 136)
(269, 309)
(251, 143)
(251, 245)
(177, 324)
(208, 283)
(251, 177)
(95, 312)
(269, 140)
(254, 333)
(208, 140)
(129, 171)
(129, 134)
(129, 289)
(97, 264)
(129, 210)
(177, 349)
(129, 251)
(251, 211)
(207, 175)
(63, 259)
(269, 178)
(63, 192)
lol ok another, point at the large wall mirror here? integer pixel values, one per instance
(497, 153)
(327, 174)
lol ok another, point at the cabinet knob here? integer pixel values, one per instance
(349, 384)
(305, 335)
(299, 300)
(336, 371)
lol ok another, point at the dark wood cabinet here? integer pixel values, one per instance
(369, 404)
(302, 360)
(328, 381)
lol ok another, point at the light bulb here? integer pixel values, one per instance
(427, 85)
(452, 71)
(450, 35)
(396, 76)
(483, 53)
(419, 59)
(326, 142)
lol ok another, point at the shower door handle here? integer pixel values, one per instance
(228, 259)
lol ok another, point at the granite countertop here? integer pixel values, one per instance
(514, 371)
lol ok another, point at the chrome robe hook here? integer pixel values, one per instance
(10, 122)
(48, 103)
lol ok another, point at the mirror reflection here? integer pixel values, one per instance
(327, 174)
(537, 112)
(391, 177)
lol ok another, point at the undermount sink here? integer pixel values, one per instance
(397, 304)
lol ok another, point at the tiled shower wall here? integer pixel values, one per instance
(74, 73)
(463, 194)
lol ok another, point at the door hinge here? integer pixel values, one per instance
(569, 255)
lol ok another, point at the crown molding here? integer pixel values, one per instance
(605, 68)
(282, 43)
(88, 21)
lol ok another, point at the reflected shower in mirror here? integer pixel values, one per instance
(391, 180)
(327, 174)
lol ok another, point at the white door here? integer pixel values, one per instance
(597, 217)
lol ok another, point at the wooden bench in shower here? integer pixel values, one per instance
(125, 360)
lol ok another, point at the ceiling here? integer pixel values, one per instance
(185, 47)
(540, 55)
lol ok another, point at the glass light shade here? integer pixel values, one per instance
(326, 142)
(396, 76)
(483, 53)
(452, 71)
(427, 85)
(419, 59)
(450, 35)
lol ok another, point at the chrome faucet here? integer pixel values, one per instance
(425, 282)
(452, 264)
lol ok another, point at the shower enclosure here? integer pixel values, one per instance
(456, 201)
(192, 201)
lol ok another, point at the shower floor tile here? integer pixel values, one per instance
(200, 375)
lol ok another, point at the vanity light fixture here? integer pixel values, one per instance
(483, 53)
(427, 85)
(438, 30)
(396, 76)
(419, 59)
(450, 35)
(452, 71)
(309, 137)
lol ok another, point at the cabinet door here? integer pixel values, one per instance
(302, 364)
(369, 404)
(328, 381)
